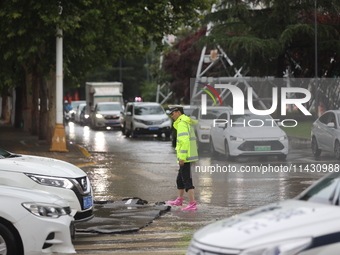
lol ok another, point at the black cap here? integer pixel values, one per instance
(176, 109)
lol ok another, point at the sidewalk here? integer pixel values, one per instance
(17, 141)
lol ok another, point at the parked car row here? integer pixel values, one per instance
(41, 194)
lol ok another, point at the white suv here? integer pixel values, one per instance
(145, 118)
(106, 114)
(50, 175)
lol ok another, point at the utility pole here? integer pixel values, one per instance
(59, 137)
(316, 99)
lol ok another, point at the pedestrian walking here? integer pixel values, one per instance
(186, 150)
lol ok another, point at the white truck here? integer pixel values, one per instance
(103, 92)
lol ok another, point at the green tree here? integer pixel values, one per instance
(96, 33)
(268, 36)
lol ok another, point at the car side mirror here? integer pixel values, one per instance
(279, 123)
(128, 113)
(193, 117)
(221, 125)
(167, 112)
(331, 125)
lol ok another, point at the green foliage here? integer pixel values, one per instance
(256, 32)
(96, 33)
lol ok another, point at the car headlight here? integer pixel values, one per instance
(51, 181)
(283, 138)
(138, 120)
(237, 139)
(86, 116)
(46, 210)
(286, 247)
(205, 127)
(99, 116)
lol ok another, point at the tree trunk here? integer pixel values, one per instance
(27, 101)
(35, 100)
(51, 116)
(43, 121)
(279, 74)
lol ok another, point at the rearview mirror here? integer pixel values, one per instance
(331, 125)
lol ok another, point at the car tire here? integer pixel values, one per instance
(123, 129)
(7, 241)
(127, 132)
(228, 157)
(315, 148)
(213, 152)
(281, 157)
(132, 132)
(337, 149)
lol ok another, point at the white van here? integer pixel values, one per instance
(50, 175)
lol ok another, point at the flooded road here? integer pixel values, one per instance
(146, 167)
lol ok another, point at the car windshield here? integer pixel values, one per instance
(109, 107)
(148, 110)
(326, 191)
(188, 111)
(252, 120)
(74, 104)
(212, 114)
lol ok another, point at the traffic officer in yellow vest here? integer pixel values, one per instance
(186, 150)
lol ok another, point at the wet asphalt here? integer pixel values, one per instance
(145, 167)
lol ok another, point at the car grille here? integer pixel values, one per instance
(83, 185)
(152, 122)
(111, 117)
(250, 145)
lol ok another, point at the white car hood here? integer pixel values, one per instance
(256, 132)
(41, 165)
(110, 112)
(275, 222)
(152, 117)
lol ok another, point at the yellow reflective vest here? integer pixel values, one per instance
(186, 146)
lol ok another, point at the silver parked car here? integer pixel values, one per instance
(325, 133)
(143, 118)
(106, 114)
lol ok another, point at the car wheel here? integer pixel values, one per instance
(127, 132)
(315, 148)
(282, 157)
(132, 132)
(213, 152)
(227, 152)
(123, 130)
(337, 149)
(7, 241)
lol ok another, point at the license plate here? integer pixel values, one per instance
(112, 121)
(262, 148)
(87, 202)
(153, 128)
